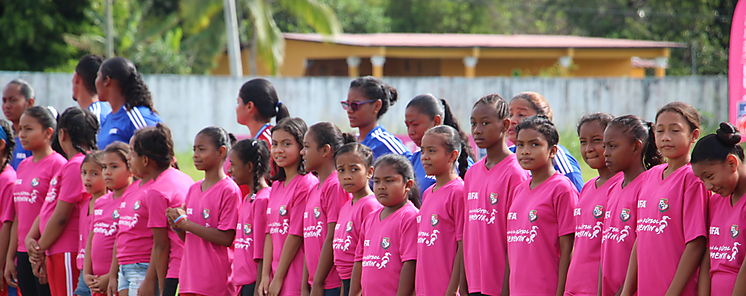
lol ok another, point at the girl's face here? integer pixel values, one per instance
(102, 86)
(533, 151)
(367, 109)
(720, 177)
(418, 123)
(620, 151)
(242, 173)
(116, 173)
(206, 155)
(519, 109)
(138, 164)
(486, 128)
(285, 149)
(436, 159)
(389, 186)
(592, 144)
(673, 136)
(313, 155)
(352, 172)
(32, 134)
(243, 114)
(93, 179)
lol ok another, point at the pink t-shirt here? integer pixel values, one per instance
(7, 181)
(66, 186)
(440, 228)
(619, 233)
(106, 214)
(383, 248)
(287, 202)
(84, 223)
(725, 242)
(537, 218)
(347, 232)
(249, 244)
(582, 276)
(671, 213)
(134, 240)
(486, 209)
(168, 190)
(322, 208)
(31, 187)
(206, 266)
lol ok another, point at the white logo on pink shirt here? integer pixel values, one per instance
(316, 212)
(663, 205)
(247, 229)
(25, 196)
(129, 221)
(243, 243)
(377, 262)
(105, 228)
(724, 252)
(51, 195)
(734, 231)
(343, 245)
(654, 225)
(423, 237)
(493, 198)
(313, 230)
(527, 236)
(616, 235)
(34, 182)
(588, 231)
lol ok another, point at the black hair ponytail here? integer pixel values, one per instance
(156, 143)
(10, 143)
(375, 89)
(81, 126)
(134, 90)
(717, 146)
(262, 93)
(255, 152)
(639, 130)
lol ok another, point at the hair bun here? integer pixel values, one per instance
(728, 134)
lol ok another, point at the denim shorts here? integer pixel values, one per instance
(131, 276)
(82, 289)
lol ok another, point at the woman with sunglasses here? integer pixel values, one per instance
(367, 100)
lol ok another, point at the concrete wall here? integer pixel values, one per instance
(189, 103)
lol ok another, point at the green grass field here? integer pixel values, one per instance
(568, 139)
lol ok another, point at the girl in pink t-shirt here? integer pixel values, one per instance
(54, 237)
(582, 276)
(354, 169)
(148, 252)
(628, 148)
(282, 271)
(487, 203)
(249, 166)
(33, 181)
(7, 179)
(717, 160)
(322, 208)
(439, 237)
(95, 187)
(207, 222)
(540, 221)
(671, 217)
(387, 248)
(102, 227)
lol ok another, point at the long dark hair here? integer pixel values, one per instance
(640, 130)
(156, 143)
(255, 152)
(81, 126)
(297, 128)
(10, 142)
(134, 90)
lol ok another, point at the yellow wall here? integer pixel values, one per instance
(449, 61)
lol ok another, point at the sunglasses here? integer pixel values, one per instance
(354, 106)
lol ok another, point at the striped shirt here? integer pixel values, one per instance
(566, 164)
(101, 109)
(121, 125)
(382, 142)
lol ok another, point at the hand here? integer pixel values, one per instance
(90, 281)
(34, 251)
(175, 213)
(317, 290)
(147, 288)
(112, 288)
(275, 287)
(264, 286)
(41, 273)
(101, 283)
(10, 275)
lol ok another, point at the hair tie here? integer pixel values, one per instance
(277, 106)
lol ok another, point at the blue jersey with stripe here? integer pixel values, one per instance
(101, 109)
(121, 125)
(382, 142)
(19, 154)
(566, 164)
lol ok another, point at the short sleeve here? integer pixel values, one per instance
(564, 205)
(71, 185)
(457, 212)
(229, 208)
(333, 201)
(156, 204)
(695, 199)
(408, 239)
(7, 210)
(296, 209)
(260, 222)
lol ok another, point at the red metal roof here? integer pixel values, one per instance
(479, 40)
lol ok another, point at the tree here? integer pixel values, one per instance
(32, 32)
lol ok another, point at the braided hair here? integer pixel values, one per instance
(134, 90)
(81, 126)
(255, 152)
(10, 143)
